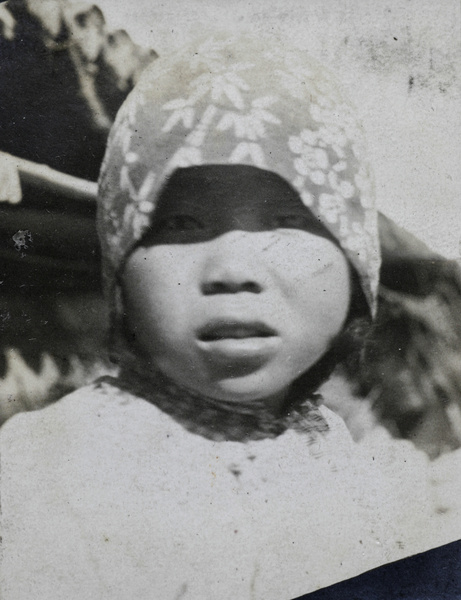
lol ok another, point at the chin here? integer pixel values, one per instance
(233, 390)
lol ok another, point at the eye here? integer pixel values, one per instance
(178, 224)
(292, 222)
(175, 229)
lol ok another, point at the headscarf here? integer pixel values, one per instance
(236, 101)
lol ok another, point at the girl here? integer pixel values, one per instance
(241, 261)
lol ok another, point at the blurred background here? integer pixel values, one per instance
(65, 68)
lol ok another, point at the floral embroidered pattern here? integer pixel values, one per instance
(246, 151)
(251, 125)
(313, 161)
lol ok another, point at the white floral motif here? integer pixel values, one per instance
(113, 246)
(331, 206)
(340, 166)
(246, 150)
(312, 162)
(131, 157)
(367, 201)
(364, 182)
(186, 156)
(183, 112)
(252, 125)
(221, 81)
(136, 215)
(141, 195)
(356, 241)
(224, 81)
(197, 136)
(123, 136)
(113, 221)
(334, 137)
(307, 198)
(136, 221)
(344, 187)
(298, 183)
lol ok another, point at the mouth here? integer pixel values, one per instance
(234, 330)
(238, 343)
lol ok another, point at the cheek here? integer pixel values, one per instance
(317, 289)
(310, 269)
(158, 290)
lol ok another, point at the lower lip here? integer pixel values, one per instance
(247, 349)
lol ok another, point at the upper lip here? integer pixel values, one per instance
(229, 328)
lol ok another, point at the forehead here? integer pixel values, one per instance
(225, 191)
(231, 185)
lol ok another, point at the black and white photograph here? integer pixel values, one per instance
(230, 300)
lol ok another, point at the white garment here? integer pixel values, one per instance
(105, 497)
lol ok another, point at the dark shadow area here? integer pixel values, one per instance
(432, 575)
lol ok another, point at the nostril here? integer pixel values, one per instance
(213, 287)
(230, 287)
(251, 286)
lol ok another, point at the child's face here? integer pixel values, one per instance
(231, 294)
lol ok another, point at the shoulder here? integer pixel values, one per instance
(73, 420)
(83, 401)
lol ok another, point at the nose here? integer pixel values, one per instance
(232, 265)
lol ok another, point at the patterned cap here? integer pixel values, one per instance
(236, 100)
